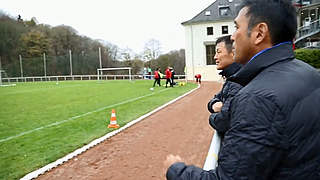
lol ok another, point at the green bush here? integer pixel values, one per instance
(310, 56)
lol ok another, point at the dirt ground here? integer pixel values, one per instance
(138, 152)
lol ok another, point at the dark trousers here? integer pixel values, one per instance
(169, 80)
(172, 81)
(156, 80)
(198, 80)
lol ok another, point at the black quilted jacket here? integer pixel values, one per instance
(275, 123)
(220, 121)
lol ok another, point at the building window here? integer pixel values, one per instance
(224, 29)
(207, 13)
(209, 31)
(313, 15)
(224, 11)
(210, 52)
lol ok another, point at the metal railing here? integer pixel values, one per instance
(81, 77)
(307, 30)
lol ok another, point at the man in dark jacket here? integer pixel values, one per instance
(219, 105)
(275, 117)
(173, 73)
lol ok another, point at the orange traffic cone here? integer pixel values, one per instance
(113, 120)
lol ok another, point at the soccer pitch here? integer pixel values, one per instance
(43, 121)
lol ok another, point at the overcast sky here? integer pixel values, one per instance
(126, 23)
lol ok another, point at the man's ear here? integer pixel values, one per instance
(231, 53)
(261, 33)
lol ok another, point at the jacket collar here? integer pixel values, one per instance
(262, 60)
(230, 70)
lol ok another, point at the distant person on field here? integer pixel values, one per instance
(168, 77)
(157, 77)
(275, 118)
(149, 72)
(172, 76)
(220, 104)
(198, 78)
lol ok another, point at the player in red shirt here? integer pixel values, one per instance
(157, 77)
(198, 78)
(168, 77)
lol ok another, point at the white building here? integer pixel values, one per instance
(201, 33)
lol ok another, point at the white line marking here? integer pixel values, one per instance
(50, 87)
(76, 117)
(60, 161)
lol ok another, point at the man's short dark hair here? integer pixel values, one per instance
(227, 42)
(279, 15)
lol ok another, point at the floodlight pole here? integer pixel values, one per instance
(70, 62)
(45, 66)
(21, 69)
(98, 71)
(100, 58)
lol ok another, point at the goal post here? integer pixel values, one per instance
(3, 75)
(0, 77)
(100, 70)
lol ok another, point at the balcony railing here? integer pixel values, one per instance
(308, 30)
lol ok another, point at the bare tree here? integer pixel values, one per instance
(127, 54)
(152, 49)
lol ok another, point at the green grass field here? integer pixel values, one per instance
(41, 122)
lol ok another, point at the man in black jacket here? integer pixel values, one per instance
(219, 105)
(275, 117)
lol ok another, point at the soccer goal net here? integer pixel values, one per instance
(5, 82)
(102, 72)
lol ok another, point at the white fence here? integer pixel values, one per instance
(80, 77)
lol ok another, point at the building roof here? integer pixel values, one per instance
(220, 10)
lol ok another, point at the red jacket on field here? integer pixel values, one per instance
(168, 73)
(156, 74)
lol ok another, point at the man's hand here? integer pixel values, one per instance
(170, 160)
(217, 106)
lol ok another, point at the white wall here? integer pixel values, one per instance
(196, 38)
(208, 73)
